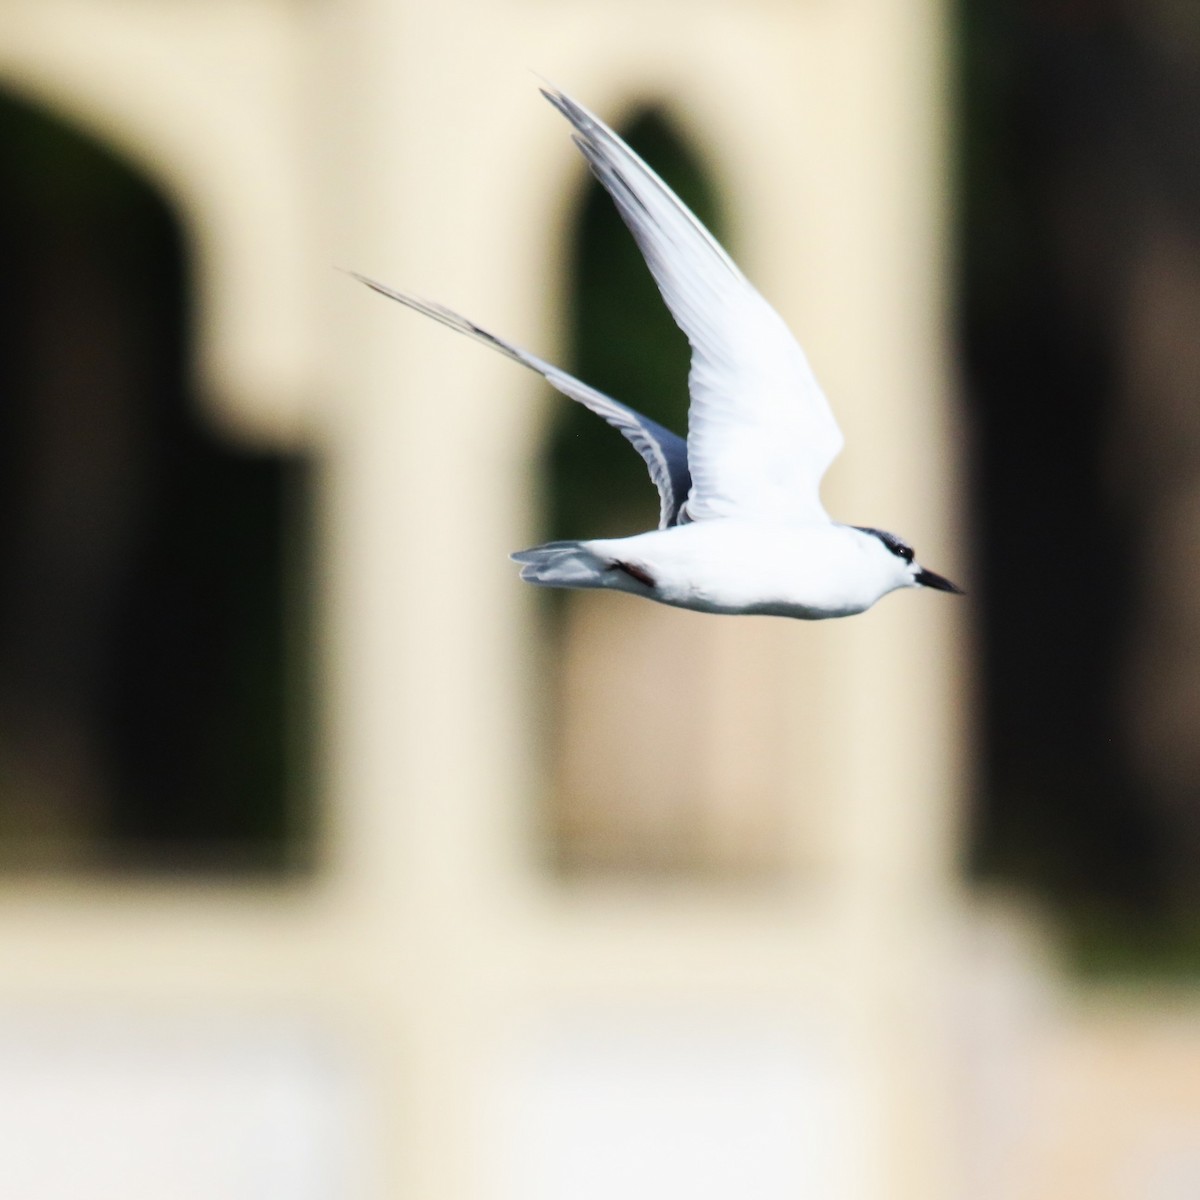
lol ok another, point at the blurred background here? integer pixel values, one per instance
(336, 863)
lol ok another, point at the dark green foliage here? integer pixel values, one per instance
(1077, 137)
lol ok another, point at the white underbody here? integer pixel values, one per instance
(730, 566)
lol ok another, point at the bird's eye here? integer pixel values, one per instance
(905, 552)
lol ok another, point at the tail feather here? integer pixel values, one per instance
(564, 565)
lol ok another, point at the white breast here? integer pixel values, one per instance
(729, 566)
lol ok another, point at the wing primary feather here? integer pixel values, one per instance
(760, 431)
(592, 135)
(663, 452)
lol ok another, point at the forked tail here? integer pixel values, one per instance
(580, 565)
(564, 565)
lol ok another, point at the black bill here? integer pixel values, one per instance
(931, 579)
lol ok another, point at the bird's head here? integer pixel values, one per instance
(901, 562)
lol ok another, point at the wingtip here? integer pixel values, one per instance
(353, 274)
(381, 288)
(579, 116)
(558, 98)
(366, 279)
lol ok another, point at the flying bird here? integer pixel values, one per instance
(741, 525)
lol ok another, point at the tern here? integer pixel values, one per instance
(741, 525)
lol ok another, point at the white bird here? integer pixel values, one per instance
(741, 526)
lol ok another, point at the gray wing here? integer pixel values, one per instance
(663, 452)
(760, 431)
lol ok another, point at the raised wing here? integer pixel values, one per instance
(663, 452)
(760, 431)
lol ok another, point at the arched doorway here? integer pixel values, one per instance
(147, 692)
